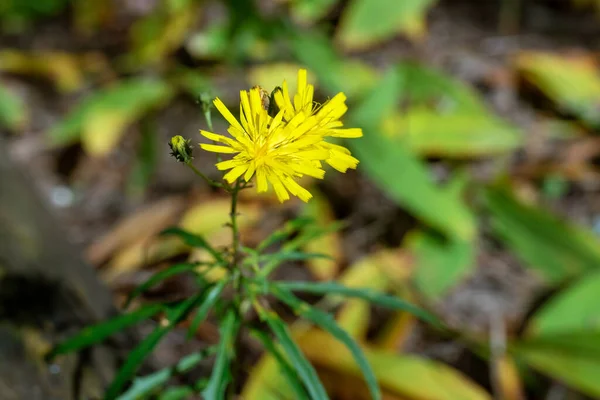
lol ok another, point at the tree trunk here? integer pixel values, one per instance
(47, 291)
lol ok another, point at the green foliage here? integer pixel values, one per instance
(305, 370)
(97, 333)
(372, 296)
(13, 114)
(556, 249)
(327, 322)
(143, 387)
(221, 375)
(441, 264)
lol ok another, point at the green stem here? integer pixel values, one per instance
(235, 270)
(206, 178)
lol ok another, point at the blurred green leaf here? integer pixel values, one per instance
(161, 32)
(159, 277)
(100, 120)
(308, 11)
(573, 309)
(290, 228)
(13, 113)
(368, 22)
(439, 264)
(554, 248)
(97, 333)
(284, 256)
(209, 43)
(328, 323)
(145, 386)
(372, 296)
(176, 393)
(145, 161)
(430, 133)
(572, 83)
(395, 169)
(305, 370)
(174, 314)
(285, 369)
(572, 368)
(221, 375)
(209, 300)
(194, 240)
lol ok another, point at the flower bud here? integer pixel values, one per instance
(181, 149)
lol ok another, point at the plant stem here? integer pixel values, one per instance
(237, 286)
(201, 175)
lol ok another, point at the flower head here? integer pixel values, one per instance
(281, 148)
(328, 115)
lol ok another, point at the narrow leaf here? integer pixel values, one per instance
(305, 370)
(212, 296)
(194, 240)
(146, 385)
(97, 333)
(328, 323)
(139, 354)
(159, 277)
(286, 368)
(220, 377)
(370, 295)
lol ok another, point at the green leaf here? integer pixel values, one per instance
(212, 296)
(382, 157)
(574, 84)
(159, 277)
(556, 249)
(429, 133)
(328, 323)
(284, 256)
(370, 295)
(145, 386)
(99, 332)
(285, 367)
(311, 10)
(194, 240)
(174, 314)
(177, 393)
(100, 120)
(145, 161)
(569, 367)
(305, 370)
(221, 375)
(291, 228)
(439, 264)
(573, 309)
(368, 22)
(13, 113)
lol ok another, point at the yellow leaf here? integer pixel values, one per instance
(408, 375)
(62, 69)
(323, 269)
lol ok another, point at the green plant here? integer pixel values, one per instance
(279, 139)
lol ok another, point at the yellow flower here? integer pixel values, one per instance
(327, 115)
(280, 149)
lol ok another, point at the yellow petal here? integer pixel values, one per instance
(227, 114)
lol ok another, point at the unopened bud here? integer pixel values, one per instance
(181, 149)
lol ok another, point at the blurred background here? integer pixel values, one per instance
(477, 195)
